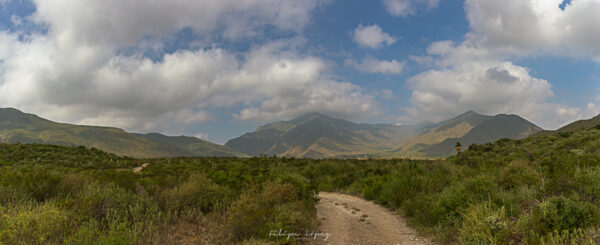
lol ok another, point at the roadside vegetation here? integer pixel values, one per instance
(539, 190)
(73, 195)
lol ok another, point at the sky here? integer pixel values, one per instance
(218, 69)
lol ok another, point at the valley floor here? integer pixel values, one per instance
(353, 220)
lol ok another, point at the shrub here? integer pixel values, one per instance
(456, 198)
(198, 193)
(588, 183)
(400, 187)
(518, 173)
(272, 206)
(372, 187)
(484, 224)
(560, 214)
(97, 201)
(33, 224)
(573, 237)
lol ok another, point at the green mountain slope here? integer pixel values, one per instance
(193, 145)
(577, 125)
(453, 128)
(316, 135)
(19, 127)
(468, 128)
(489, 130)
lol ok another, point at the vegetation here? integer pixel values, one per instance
(538, 190)
(73, 195)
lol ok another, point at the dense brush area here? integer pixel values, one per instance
(73, 195)
(538, 190)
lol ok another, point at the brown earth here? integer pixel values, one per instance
(351, 220)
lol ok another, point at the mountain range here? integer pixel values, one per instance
(19, 127)
(316, 135)
(312, 135)
(468, 128)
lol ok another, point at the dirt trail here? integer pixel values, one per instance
(138, 169)
(352, 220)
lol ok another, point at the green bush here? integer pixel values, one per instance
(33, 224)
(197, 193)
(560, 214)
(519, 173)
(484, 224)
(98, 200)
(573, 237)
(588, 184)
(272, 206)
(372, 187)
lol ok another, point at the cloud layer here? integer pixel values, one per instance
(88, 66)
(477, 74)
(537, 26)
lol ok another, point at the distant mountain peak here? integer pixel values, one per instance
(469, 113)
(317, 135)
(313, 115)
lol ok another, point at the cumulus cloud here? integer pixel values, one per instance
(533, 26)
(405, 8)
(77, 72)
(467, 76)
(124, 23)
(487, 88)
(372, 37)
(370, 65)
(476, 73)
(136, 92)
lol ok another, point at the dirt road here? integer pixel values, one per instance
(352, 220)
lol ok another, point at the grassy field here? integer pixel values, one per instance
(539, 190)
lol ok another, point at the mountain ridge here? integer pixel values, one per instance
(316, 135)
(311, 135)
(574, 126)
(20, 127)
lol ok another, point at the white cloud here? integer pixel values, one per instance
(591, 110)
(471, 77)
(405, 8)
(490, 88)
(76, 73)
(370, 65)
(422, 60)
(372, 37)
(475, 74)
(537, 26)
(123, 23)
(138, 93)
(202, 136)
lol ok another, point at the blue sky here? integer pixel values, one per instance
(218, 69)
